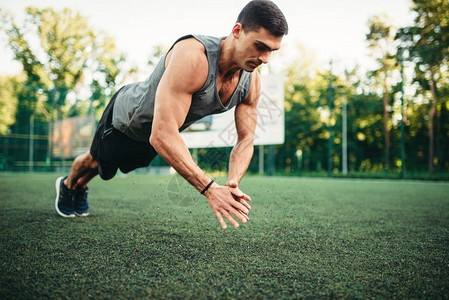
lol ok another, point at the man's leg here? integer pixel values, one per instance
(83, 169)
(71, 191)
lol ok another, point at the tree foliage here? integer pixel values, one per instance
(67, 52)
(61, 56)
(381, 41)
(428, 43)
(8, 101)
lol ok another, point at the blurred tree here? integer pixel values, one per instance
(307, 119)
(68, 52)
(365, 130)
(66, 42)
(381, 41)
(55, 67)
(305, 133)
(33, 82)
(428, 43)
(59, 52)
(109, 70)
(8, 101)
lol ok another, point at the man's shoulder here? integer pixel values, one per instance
(202, 45)
(190, 45)
(186, 65)
(188, 51)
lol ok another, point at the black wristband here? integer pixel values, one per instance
(207, 187)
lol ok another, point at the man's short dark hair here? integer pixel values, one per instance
(263, 13)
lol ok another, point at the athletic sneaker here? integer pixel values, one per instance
(64, 203)
(81, 205)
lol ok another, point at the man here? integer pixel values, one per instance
(198, 76)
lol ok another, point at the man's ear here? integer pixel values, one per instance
(237, 30)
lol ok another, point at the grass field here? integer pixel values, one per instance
(307, 238)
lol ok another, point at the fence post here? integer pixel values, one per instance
(31, 144)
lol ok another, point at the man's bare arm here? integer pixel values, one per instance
(173, 99)
(186, 71)
(245, 123)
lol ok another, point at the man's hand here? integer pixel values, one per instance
(237, 193)
(227, 200)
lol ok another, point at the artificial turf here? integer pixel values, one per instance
(154, 237)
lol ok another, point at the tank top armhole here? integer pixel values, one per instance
(196, 37)
(246, 85)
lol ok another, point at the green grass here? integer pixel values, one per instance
(307, 238)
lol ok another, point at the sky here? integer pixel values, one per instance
(332, 29)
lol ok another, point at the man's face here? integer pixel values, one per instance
(254, 48)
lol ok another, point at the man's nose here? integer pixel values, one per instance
(263, 57)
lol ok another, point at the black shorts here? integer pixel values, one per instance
(114, 150)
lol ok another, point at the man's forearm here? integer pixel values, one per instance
(239, 161)
(224, 200)
(176, 153)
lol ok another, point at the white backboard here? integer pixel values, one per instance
(219, 130)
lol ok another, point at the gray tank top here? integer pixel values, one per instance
(134, 105)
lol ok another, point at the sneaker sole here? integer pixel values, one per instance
(57, 186)
(82, 215)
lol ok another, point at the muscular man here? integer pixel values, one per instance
(198, 76)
